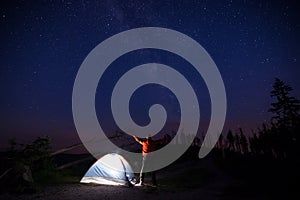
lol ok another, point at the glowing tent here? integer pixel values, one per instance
(111, 169)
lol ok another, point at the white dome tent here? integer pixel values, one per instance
(111, 169)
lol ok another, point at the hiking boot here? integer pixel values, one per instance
(139, 184)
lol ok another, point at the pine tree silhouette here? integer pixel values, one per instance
(285, 122)
(286, 109)
(244, 142)
(230, 140)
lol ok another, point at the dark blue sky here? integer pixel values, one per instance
(44, 43)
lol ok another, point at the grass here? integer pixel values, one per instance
(54, 177)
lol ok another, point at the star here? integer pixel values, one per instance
(43, 48)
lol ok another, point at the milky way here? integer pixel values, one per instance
(44, 44)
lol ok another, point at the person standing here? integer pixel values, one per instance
(148, 146)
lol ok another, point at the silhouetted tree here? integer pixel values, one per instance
(183, 138)
(254, 144)
(285, 122)
(220, 142)
(237, 142)
(174, 135)
(286, 108)
(168, 139)
(28, 160)
(189, 138)
(243, 142)
(197, 141)
(230, 140)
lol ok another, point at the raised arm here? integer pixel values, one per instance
(161, 140)
(137, 139)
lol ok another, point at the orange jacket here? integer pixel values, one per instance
(148, 145)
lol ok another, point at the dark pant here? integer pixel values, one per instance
(142, 174)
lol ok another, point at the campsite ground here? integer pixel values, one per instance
(187, 180)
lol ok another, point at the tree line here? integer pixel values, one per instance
(279, 138)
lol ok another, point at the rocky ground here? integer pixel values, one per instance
(218, 186)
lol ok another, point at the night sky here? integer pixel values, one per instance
(43, 44)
